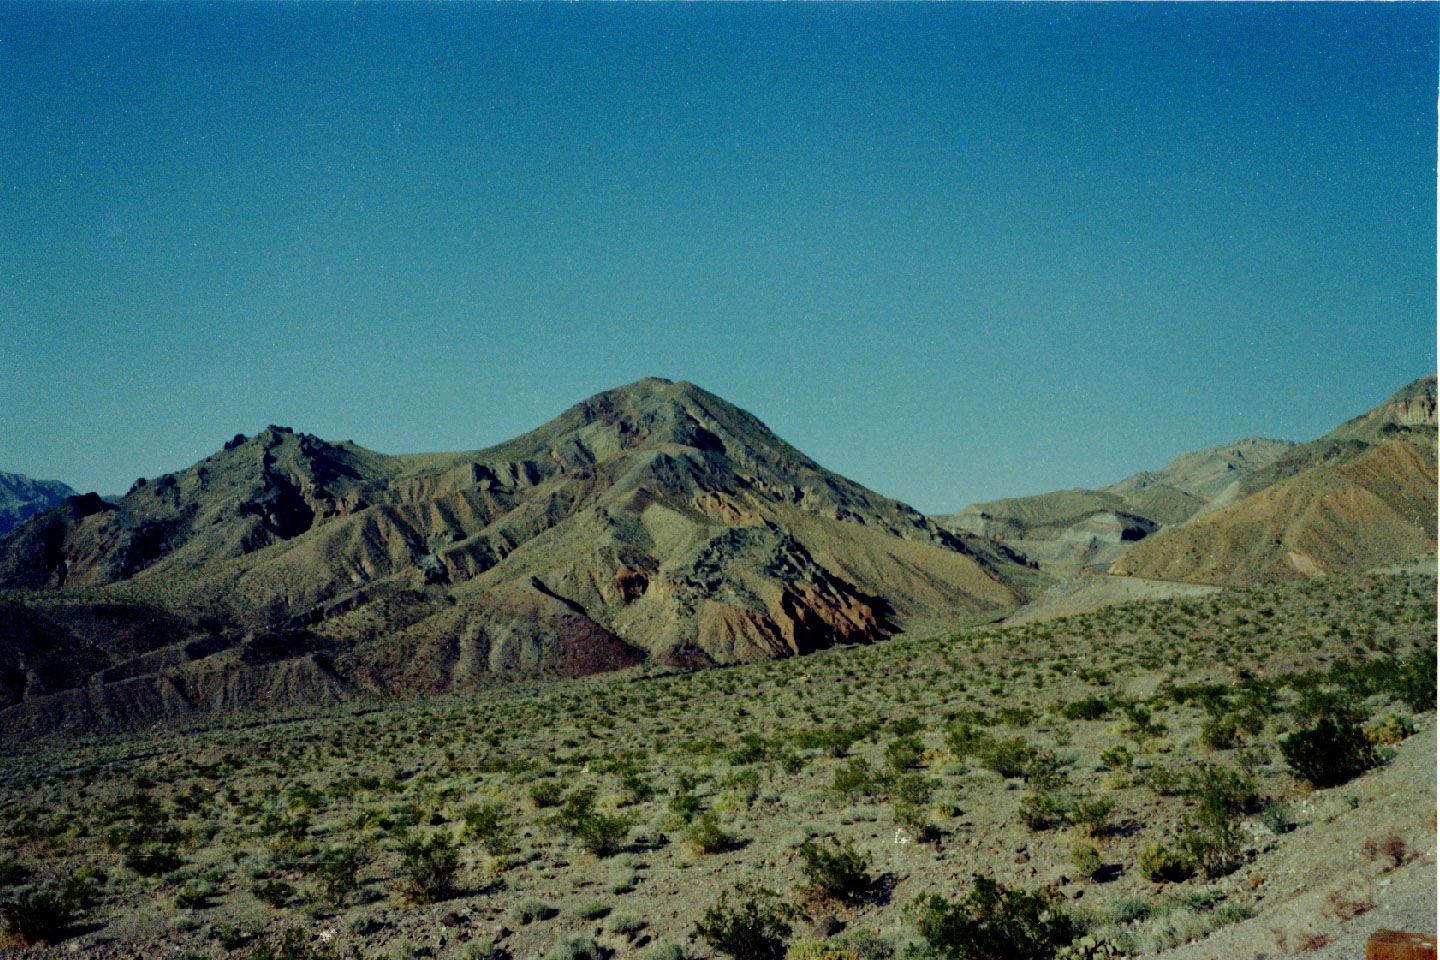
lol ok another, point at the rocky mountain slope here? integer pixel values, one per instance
(1361, 496)
(654, 523)
(1069, 529)
(21, 498)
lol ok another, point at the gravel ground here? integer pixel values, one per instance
(1330, 892)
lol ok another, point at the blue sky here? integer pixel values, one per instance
(954, 252)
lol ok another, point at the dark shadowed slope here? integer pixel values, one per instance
(21, 498)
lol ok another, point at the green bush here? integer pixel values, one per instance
(600, 834)
(855, 779)
(754, 928)
(1009, 757)
(528, 910)
(685, 806)
(1042, 810)
(293, 945)
(153, 859)
(276, 893)
(840, 873)
(1093, 815)
(992, 923)
(1091, 708)
(1159, 862)
(706, 836)
(1085, 858)
(338, 871)
(546, 793)
(909, 794)
(1330, 753)
(575, 947)
(428, 869)
(485, 823)
(12, 872)
(38, 916)
(902, 753)
(1213, 841)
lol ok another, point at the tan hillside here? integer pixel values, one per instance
(1207, 473)
(653, 523)
(1377, 508)
(1361, 496)
(1068, 530)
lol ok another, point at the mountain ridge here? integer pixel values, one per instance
(654, 523)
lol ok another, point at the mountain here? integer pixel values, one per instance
(22, 498)
(1068, 529)
(655, 523)
(1361, 496)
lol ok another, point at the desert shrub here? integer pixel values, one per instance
(488, 951)
(1117, 758)
(428, 868)
(855, 779)
(12, 872)
(1330, 753)
(964, 740)
(1093, 815)
(292, 945)
(195, 895)
(902, 753)
(485, 823)
(684, 805)
(1212, 840)
(624, 925)
(992, 923)
(592, 911)
(546, 793)
(1043, 809)
(840, 873)
(1221, 789)
(821, 950)
(1142, 726)
(909, 794)
(276, 893)
(528, 910)
(1009, 757)
(1219, 733)
(1277, 817)
(39, 915)
(1317, 703)
(706, 837)
(753, 928)
(1159, 862)
(637, 789)
(601, 834)
(575, 947)
(1414, 683)
(153, 859)
(666, 951)
(1085, 858)
(1390, 730)
(1091, 708)
(753, 748)
(338, 871)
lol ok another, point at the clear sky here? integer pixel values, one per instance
(954, 252)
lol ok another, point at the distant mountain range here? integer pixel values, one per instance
(1360, 496)
(21, 498)
(655, 524)
(1070, 529)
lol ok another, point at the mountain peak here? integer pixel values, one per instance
(1410, 412)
